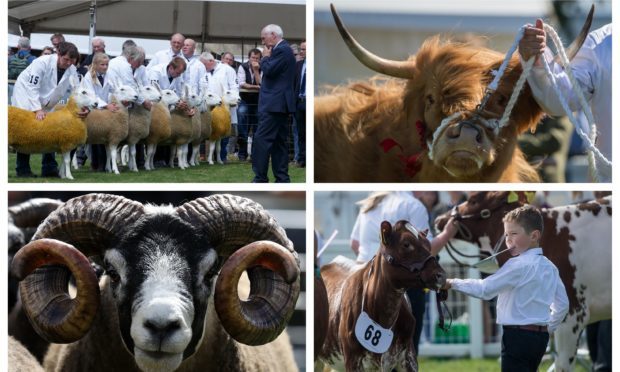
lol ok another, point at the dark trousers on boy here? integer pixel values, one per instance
(523, 350)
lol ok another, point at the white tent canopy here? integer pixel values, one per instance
(204, 21)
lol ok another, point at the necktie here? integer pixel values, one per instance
(100, 77)
(302, 86)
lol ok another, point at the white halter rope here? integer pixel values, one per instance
(600, 167)
(494, 124)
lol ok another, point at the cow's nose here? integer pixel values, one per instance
(465, 131)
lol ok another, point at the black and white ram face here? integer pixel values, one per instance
(161, 276)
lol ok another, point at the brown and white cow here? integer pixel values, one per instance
(379, 130)
(576, 238)
(402, 261)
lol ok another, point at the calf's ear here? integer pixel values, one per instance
(386, 231)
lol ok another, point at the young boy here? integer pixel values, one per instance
(531, 299)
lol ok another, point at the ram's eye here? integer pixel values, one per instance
(114, 277)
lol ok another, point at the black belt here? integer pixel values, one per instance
(529, 327)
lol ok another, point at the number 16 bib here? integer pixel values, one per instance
(371, 335)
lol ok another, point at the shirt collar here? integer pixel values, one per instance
(532, 251)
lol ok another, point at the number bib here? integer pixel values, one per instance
(371, 335)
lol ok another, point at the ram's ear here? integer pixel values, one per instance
(156, 85)
(74, 82)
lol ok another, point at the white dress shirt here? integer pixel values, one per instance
(592, 69)
(36, 88)
(396, 206)
(528, 290)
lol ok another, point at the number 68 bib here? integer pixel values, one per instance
(371, 335)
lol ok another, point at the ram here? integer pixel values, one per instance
(160, 304)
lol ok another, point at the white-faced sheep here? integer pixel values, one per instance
(163, 306)
(209, 101)
(184, 128)
(111, 128)
(220, 124)
(160, 125)
(60, 131)
(140, 121)
(20, 359)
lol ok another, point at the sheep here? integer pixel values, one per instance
(111, 128)
(184, 128)
(161, 304)
(140, 121)
(60, 131)
(20, 359)
(209, 100)
(160, 125)
(220, 126)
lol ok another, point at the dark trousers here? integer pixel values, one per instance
(599, 344)
(48, 164)
(522, 350)
(417, 298)
(98, 157)
(300, 117)
(247, 114)
(270, 141)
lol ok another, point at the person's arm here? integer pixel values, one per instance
(276, 63)
(355, 236)
(559, 306)
(489, 287)
(443, 237)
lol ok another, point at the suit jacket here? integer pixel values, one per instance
(276, 91)
(301, 105)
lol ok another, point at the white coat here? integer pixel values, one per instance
(194, 71)
(223, 77)
(159, 75)
(163, 56)
(36, 87)
(102, 92)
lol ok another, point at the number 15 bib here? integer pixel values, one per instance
(371, 335)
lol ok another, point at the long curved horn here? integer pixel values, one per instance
(400, 69)
(90, 223)
(229, 223)
(32, 212)
(52, 312)
(574, 47)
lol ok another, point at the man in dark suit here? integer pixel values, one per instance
(300, 113)
(276, 101)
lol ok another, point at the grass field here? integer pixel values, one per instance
(471, 365)
(234, 171)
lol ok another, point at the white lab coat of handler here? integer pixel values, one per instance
(36, 88)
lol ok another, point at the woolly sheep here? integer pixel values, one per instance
(220, 124)
(60, 131)
(161, 304)
(140, 121)
(184, 128)
(20, 359)
(209, 100)
(160, 125)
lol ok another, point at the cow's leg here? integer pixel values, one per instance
(566, 339)
(411, 362)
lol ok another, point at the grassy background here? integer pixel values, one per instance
(234, 171)
(471, 365)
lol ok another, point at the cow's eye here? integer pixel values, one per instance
(429, 100)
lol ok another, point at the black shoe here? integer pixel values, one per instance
(26, 175)
(52, 174)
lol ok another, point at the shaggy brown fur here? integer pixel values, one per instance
(60, 131)
(160, 124)
(446, 77)
(220, 124)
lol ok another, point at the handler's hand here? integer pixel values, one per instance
(451, 228)
(448, 284)
(83, 112)
(40, 114)
(533, 42)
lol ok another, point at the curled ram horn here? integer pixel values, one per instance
(245, 235)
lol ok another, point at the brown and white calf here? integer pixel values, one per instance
(377, 289)
(576, 238)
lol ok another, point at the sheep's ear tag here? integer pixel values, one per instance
(513, 197)
(371, 335)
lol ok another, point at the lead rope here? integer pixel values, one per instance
(600, 167)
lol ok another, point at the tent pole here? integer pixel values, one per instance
(93, 25)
